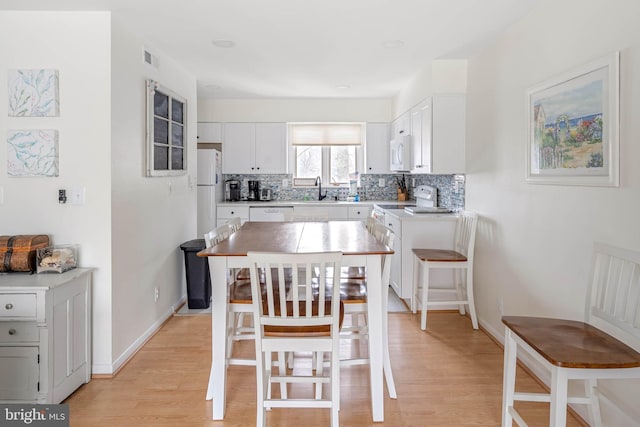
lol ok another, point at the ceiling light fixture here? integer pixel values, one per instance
(224, 43)
(393, 44)
(343, 87)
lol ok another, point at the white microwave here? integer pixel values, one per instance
(400, 153)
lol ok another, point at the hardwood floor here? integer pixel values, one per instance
(450, 375)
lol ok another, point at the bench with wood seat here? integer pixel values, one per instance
(604, 346)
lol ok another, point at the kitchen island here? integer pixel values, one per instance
(423, 230)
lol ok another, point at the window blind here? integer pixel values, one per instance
(325, 133)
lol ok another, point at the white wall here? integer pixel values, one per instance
(294, 110)
(534, 241)
(151, 216)
(440, 76)
(131, 226)
(77, 45)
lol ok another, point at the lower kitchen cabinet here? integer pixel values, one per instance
(45, 335)
(359, 212)
(334, 213)
(426, 231)
(226, 213)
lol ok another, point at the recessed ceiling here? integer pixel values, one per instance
(305, 48)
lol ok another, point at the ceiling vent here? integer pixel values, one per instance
(150, 58)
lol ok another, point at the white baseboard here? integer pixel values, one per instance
(110, 369)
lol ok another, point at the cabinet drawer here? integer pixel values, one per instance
(11, 332)
(233, 211)
(394, 223)
(359, 212)
(18, 305)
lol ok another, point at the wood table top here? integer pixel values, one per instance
(348, 237)
(572, 344)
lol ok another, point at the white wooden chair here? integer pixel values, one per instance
(353, 293)
(604, 346)
(289, 319)
(234, 224)
(215, 236)
(239, 302)
(460, 259)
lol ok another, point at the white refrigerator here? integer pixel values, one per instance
(210, 188)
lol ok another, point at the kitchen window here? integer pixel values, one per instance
(166, 131)
(331, 151)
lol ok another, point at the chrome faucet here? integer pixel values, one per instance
(319, 184)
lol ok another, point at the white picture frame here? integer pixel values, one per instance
(573, 126)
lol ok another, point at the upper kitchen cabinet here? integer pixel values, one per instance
(438, 135)
(377, 148)
(254, 148)
(209, 132)
(401, 125)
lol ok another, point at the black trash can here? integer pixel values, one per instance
(198, 278)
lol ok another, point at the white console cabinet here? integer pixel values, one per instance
(45, 335)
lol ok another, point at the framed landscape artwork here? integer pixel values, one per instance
(572, 126)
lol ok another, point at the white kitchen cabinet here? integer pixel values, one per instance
(438, 135)
(359, 212)
(425, 231)
(209, 132)
(270, 213)
(45, 335)
(377, 148)
(254, 148)
(226, 213)
(336, 213)
(401, 125)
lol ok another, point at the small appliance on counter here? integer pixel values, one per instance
(232, 190)
(426, 201)
(265, 194)
(254, 190)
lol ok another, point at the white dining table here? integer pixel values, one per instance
(359, 248)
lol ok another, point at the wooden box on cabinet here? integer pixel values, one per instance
(45, 335)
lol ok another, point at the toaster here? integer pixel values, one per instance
(265, 194)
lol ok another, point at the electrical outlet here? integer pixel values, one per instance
(381, 182)
(156, 294)
(285, 183)
(413, 182)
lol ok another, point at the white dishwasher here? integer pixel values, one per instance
(269, 213)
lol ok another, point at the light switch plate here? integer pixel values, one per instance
(77, 195)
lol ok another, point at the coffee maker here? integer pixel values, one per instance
(232, 190)
(254, 190)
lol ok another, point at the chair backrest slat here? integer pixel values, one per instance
(217, 235)
(290, 275)
(613, 299)
(234, 224)
(465, 234)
